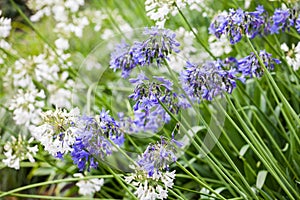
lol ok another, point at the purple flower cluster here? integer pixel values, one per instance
(250, 66)
(158, 45)
(92, 139)
(215, 78)
(239, 22)
(208, 80)
(149, 97)
(158, 157)
(282, 20)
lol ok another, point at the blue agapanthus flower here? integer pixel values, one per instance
(149, 95)
(250, 66)
(125, 58)
(282, 20)
(92, 141)
(160, 43)
(238, 23)
(158, 157)
(208, 80)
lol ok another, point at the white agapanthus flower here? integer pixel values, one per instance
(47, 69)
(57, 132)
(159, 10)
(148, 187)
(90, 186)
(62, 43)
(65, 13)
(219, 46)
(5, 26)
(44, 68)
(27, 106)
(18, 150)
(292, 55)
(60, 9)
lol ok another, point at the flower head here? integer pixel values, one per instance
(208, 80)
(57, 130)
(148, 187)
(157, 47)
(292, 55)
(152, 168)
(282, 20)
(149, 95)
(90, 186)
(93, 139)
(158, 157)
(250, 66)
(27, 106)
(239, 22)
(5, 26)
(18, 150)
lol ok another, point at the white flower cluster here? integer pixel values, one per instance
(159, 10)
(47, 69)
(90, 186)
(148, 187)
(5, 26)
(219, 46)
(60, 9)
(18, 150)
(27, 106)
(69, 20)
(57, 132)
(292, 55)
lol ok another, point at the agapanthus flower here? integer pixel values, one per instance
(250, 66)
(159, 10)
(5, 26)
(92, 140)
(57, 130)
(124, 58)
(149, 95)
(282, 20)
(27, 106)
(153, 167)
(160, 43)
(17, 150)
(208, 80)
(157, 157)
(148, 187)
(155, 49)
(239, 22)
(292, 55)
(90, 186)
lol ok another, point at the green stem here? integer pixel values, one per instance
(273, 83)
(256, 148)
(3, 194)
(29, 196)
(120, 181)
(199, 181)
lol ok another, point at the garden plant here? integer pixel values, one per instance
(154, 99)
